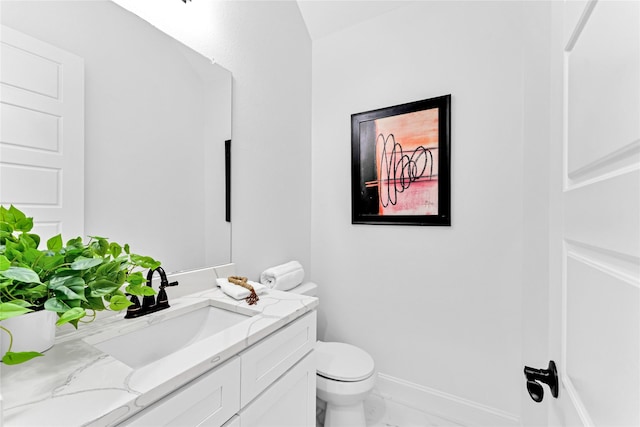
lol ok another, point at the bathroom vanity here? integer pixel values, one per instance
(271, 383)
(208, 360)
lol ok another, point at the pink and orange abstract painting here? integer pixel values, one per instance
(400, 164)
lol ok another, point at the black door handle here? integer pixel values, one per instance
(548, 376)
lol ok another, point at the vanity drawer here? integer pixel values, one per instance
(209, 400)
(291, 401)
(265, 362)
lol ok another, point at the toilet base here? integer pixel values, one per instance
(344, 416)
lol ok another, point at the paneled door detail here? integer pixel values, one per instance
(596, 302)
(42, 133)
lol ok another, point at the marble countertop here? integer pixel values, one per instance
(77, 384)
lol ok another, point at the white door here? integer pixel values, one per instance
(595, 210)
(42, 133)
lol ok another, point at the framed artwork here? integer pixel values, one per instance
(401, 164)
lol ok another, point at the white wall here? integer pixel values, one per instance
(536, 175)
(266, 46)
(437, 306)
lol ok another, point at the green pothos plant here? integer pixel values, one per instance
(75, 280)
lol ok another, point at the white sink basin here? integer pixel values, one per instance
(143, 346)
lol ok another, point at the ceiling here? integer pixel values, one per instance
(324, 17)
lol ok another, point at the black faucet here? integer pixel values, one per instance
(151, 304)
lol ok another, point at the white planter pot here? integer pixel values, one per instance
(34, 331)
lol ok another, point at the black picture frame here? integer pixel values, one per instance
(383, 171)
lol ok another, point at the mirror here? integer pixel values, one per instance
(157, 115)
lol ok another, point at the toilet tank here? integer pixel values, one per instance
(308, 288)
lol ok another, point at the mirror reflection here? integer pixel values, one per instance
(156, 118)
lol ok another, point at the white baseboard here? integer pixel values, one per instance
(444, 405)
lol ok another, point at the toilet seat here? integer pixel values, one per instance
(343, 362)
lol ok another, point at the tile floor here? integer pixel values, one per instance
(382, 411)
(385, 412)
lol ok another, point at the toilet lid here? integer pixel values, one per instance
(343, 362)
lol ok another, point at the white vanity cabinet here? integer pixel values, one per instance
(278, 381)
(209, 400)
(271, 383)
(290, 401)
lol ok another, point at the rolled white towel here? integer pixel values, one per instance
(284, 276)
(238, 292)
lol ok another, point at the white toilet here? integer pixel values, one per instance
(345, 376)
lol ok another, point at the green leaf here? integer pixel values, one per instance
(75, 243)
(55, 243)
(119, 302)
(11, 358)
(96, 303)
(115, 249)
(147, 291)
(127, 249)
(51, 262)
(68, 288)
(75, 282)
(20, 274)
(4, 235)
(145, 261)
(29, 241)
(104, 246)
(79, 290)
(136, 278)
(54, 304)
(74, 303)
(121, 277)
(6, 227)
(71, 315)
(102, 287)
(31, 255)
(14, 245)
(13, 252)
(35, 238)
(108, 269)
(10, 309)
(57, 281)
(22, 303)
(31, 292)
(140, 290)
(68, 281)
(16, 213)
(24, 224)
(68, 294)
(7, 216)
(4, 263)
(71, 253)
(83, 263)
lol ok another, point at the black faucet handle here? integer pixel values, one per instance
(148, 301)
(164, 285)
(134, 309)
(163, 299)
(134, 299)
